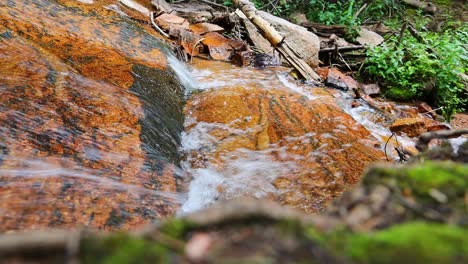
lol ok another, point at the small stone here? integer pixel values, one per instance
(369, 38)
(372, 89)
(355, 104)
(198, 246)
(378, 197)
(412, 127)
(358, 215)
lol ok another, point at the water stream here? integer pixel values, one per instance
(90, 126)
(246, 172)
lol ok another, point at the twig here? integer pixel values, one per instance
(156, 26)
(215, 4)
(433, 110)
(344, 61)
(425, 138)
(193, 47)
(385, 147)
(359, 11)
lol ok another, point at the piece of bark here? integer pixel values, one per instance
(168, 21)
(220, 47)
(191, 42)
(425, 6)
(202, 28)
(277, 40)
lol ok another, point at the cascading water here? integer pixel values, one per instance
(243, 171)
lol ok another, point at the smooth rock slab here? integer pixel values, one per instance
(89, 122)
(324, 149)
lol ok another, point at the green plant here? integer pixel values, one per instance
(431, 69)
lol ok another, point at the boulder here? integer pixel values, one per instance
(304, 42)
(90, 119)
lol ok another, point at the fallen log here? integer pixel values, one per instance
(325, 30)
(348, 48)
(277, 40)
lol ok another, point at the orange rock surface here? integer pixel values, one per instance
(412, 127)
(80, 88)
(328, 148)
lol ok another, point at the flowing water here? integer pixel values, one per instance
(90, 126)
(252, 172)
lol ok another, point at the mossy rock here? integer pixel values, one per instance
(422, 179)
(412, 242)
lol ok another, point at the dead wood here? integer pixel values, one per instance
(425, 138)
(348, 48)
(277, 40)
(425, 6)
(325, 30)
(254, 35)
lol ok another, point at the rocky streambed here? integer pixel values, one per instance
(101, 127)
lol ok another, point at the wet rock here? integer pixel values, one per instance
(304, 42)
(336, 79)
(85, 139)
(355, 104)
(412, 127)
(281, 125)
(437, 127)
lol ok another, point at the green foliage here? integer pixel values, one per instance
(413, 242)
(431, 69)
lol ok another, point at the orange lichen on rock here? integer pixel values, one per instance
(74, 148)
(329, 149)
(412, 127)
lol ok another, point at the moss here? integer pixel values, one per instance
(123, 248)
(413, 242)
(400, 94)
(177, 228)
(447, 177)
